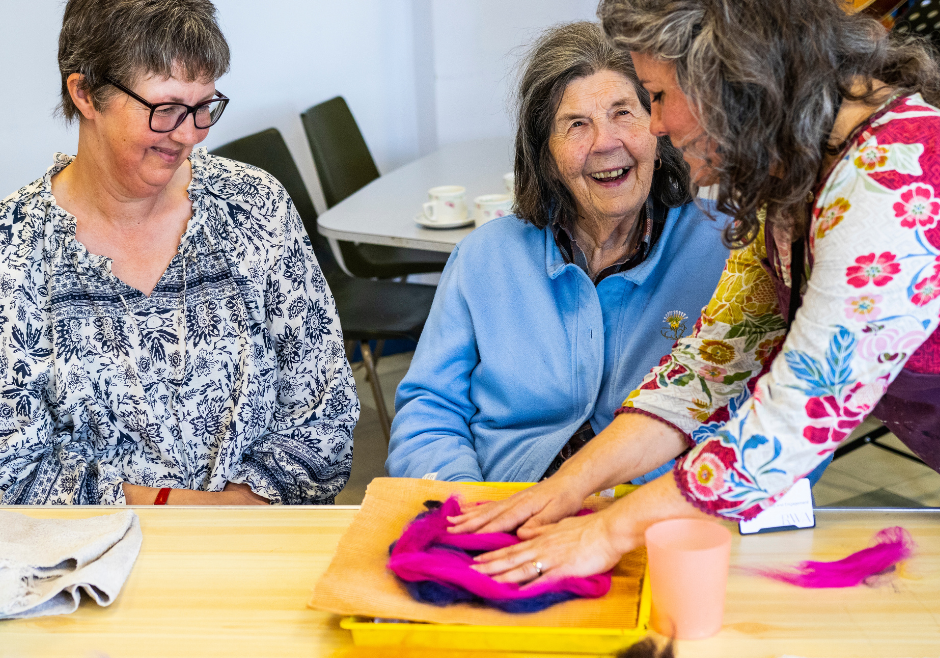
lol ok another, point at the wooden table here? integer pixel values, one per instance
(383, 211)
(235, 582)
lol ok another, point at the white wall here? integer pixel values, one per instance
(285, 58)
(416, 73)
(296, 53)
(477, 48)
(29, 135)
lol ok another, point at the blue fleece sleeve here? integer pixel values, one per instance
(431, 431)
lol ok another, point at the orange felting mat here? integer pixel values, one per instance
(357, 582)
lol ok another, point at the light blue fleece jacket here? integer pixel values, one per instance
(521, 348)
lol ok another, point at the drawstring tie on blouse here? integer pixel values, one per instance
(185, 254)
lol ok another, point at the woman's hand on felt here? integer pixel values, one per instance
(575, 546)
(589, 544)
(546, 502)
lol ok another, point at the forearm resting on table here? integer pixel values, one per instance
(631, 446)
(233, 494)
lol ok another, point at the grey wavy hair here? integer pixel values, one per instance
(562, 54)
(766, 78)
(128, 39)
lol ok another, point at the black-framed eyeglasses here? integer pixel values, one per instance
(167, 117)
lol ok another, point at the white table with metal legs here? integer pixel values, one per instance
(383, 211)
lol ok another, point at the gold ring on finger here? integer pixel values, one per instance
(538, 567)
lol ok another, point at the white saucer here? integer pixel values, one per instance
(457, 223)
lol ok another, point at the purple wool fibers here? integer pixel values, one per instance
(434, 566)
(891, 546)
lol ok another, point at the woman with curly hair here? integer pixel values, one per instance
(822, 134)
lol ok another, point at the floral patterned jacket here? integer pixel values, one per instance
(233, 369)
(762, 406)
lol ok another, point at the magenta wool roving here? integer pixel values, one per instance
(891, 546)
(434, 566)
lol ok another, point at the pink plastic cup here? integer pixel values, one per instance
(688, 561)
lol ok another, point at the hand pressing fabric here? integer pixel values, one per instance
(524, 512)
(575, 547)
(437, 567)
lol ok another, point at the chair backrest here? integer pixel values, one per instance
(267, 150)
(343, 161)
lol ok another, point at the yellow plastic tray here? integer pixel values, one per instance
(366, 632)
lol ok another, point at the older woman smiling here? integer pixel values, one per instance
(543, 321)
(168, 335)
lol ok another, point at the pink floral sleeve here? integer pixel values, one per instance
(873, 297)
(708, 373)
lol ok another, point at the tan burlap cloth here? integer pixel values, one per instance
(357, 582)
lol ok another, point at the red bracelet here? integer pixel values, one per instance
(162, 496)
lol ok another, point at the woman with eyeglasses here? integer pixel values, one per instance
(167, 335)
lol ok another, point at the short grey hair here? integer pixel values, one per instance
(562, 54)
(129, 39)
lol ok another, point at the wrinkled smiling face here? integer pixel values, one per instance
(602, 146)
(672, 116)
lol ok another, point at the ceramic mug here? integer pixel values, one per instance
(509, 180)
(447, 204)
(491, 206)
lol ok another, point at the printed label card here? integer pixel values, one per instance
(794, 511)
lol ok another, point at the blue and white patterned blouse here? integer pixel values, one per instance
(232, 370)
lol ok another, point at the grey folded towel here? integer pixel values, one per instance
(45, 564)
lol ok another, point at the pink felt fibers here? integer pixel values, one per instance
(425, 553)
(891, 546)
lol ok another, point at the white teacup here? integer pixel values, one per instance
(447, 204)
(491, 206)
(509, 180)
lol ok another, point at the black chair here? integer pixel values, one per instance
(345, 165)
(368, 310)
(871, 438)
